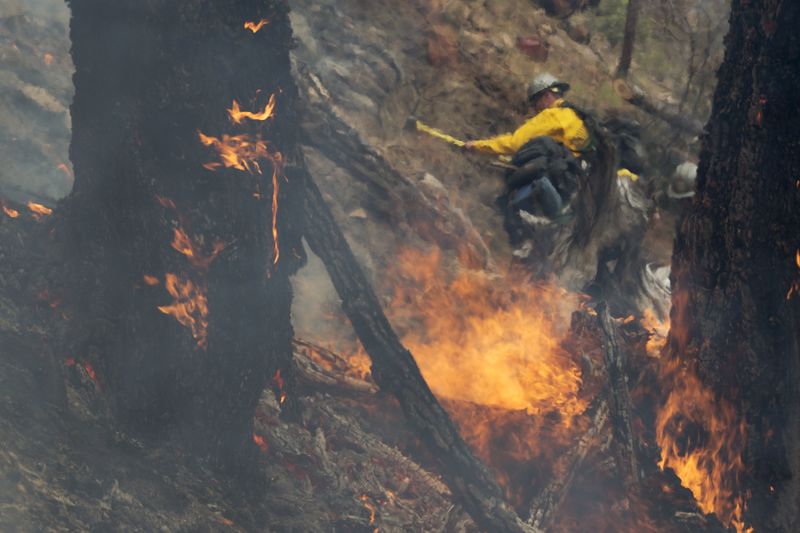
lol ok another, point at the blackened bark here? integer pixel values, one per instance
(631, 19)
(150, 75)
(396, 372)
(734, 258)
(625, 448)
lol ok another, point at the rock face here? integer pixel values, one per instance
(35, 93)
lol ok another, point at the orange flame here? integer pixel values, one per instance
(241, 152)
(702, 439)
(184, 245)
(38, 210)
(505, 331)
(795, 288)
(151, 281)
(658, 331)
(190, 307)
(489, 348)
(237, 115)
(277, 165)
(369, 506)
(255, 26)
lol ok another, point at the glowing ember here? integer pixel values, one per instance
(237, 115)
(261, 443)
(38, 210)
(13, 213)
(190, 307)
(279, 383)
(151, 281)
(369, 506)
(255, 27)
(702, 440)
(795, 288)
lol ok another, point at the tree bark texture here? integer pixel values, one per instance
(396, 372)
(629, 38)
(735, 254)
(150, 75)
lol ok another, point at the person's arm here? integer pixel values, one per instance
(545, 123)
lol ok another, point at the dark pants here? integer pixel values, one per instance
(539, 197)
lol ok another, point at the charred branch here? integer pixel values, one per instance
(668, 113)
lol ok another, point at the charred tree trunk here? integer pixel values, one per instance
(735, 318)
(631, 19)
(150, 75)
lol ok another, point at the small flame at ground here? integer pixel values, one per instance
(255, 27)
(12, 213)
(190, 307)
(38, 210)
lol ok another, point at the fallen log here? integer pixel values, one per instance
(325, 370)
(636, 96)
(619, 398)
(396, 372)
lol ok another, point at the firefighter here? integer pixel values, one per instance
(545, 150)
(551, 117)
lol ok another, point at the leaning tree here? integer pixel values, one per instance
(736, 264)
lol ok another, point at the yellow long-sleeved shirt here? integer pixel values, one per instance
(561, 123)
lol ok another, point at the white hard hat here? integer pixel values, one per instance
(543, 82)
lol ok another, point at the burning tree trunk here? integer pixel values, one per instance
(177, 234)
(736, 311)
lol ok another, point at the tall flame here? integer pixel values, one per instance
(190, 307)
